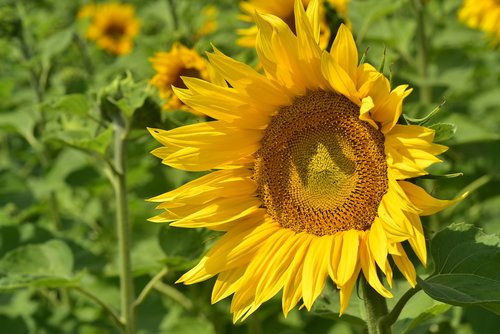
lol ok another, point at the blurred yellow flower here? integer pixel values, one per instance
(483, 15)
(284, 9)
(340, 6)
(170, 66)
(113, 26)
(209, 14)
(310, 170)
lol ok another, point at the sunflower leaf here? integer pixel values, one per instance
(425, 119)
(444, 131)
(465, 268)
(49, 264)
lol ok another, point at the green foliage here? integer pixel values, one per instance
(41, 265)
(465, 268)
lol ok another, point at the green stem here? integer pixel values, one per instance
(123, 228)
(174, 294)
(376, 309)
(391, 318)
(150, 286)
(425, 88)
(105, 306)
(173, 14)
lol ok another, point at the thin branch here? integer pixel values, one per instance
(105, 306)
(170, 292)
(150, 286)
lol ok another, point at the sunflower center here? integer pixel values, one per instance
(320, 169)
(185, 72)
(115, 30)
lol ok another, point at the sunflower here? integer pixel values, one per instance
(284, 9)
(309, 171)
(113, 26)
(483, 15)
(171, 66)
(340, 6)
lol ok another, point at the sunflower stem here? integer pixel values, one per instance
(425, 88)
(392, 316)
(376, 310)
(123, 226)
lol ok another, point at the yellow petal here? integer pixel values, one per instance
(404, 265)
(244, 78)
(315, 269)
(410, 150)
(226, 284)
(218, 184)
(417, 242)
(428, 204)
(276, 268)
(204, 146)
(346, 290)
(370, 269)
(292, 290)
(344, 51)
(279, 53)
(348, 257)
(338, 79)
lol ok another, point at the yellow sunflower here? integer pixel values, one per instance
(309, 171)
(113, 26)
(339, 5)
(483, 15)
(170, 67)
(284, 9)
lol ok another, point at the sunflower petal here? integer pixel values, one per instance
(428, 204)
(345, 52)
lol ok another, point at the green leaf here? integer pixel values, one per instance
(466, 268)
(42, 265)
(444, 131)
(55, 44)
(126, 94)
(425, 119)
(428, 314)
(75, 104)
(181, 246)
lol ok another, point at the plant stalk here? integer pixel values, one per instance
(123, 228)
(425, 88)
(376, 309)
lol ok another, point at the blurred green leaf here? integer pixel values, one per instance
(181, 246)
(465, 268)
(444, 131)
(75, 104)
(56, 44)
(49, 265)
(426, 315)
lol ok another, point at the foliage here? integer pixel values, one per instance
(64, 102)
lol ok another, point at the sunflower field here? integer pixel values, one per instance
(257, 166)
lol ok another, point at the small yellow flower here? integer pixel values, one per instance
(483, 15)
(311, 172)
(113, 26)
(170, 67)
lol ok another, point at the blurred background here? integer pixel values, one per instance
(62, 87)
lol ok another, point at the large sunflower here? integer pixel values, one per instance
(170, 66)
(284, 9)
(483, 15)
(113, 26)
(310, 167)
